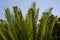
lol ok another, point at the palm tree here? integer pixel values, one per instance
(16, 27)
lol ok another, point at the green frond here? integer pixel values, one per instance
(16, 27)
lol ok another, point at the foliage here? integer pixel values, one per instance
(16, 27)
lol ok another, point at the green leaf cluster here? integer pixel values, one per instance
(16, 27)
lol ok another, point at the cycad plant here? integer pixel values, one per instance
(16, 27)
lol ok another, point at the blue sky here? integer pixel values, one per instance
(24, 5)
